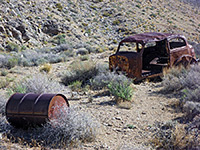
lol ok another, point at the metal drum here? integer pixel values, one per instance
(27, 110)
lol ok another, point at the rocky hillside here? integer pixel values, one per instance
(26, 24)
(39, 36)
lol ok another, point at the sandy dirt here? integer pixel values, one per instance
(126, 127)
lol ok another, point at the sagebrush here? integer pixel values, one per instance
(71, 127)
(187, 84)
(39, 83)
(2, 104)
(171, 135)
(117, 84)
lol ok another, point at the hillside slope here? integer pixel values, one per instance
(101, 23)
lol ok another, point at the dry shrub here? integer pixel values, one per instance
(4, 126)
(39, 83)
(192, 109)
(2, 105)
(170, 135)
(195, 125)
(46, 68)
(187, 84)
(70, 128)
(173, 79)
(4, 83)
(42, 84)
(80, 71)
(102, 80)
(184, 139)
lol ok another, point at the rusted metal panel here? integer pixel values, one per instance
(150, 61)
(24, 110)
(124, 62)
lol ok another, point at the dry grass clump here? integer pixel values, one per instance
(80, 71)
(171, 135)
(39, 83)
(70, 128)
(46, 68)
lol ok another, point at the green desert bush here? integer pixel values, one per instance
(76, 85)
(12, 47)
(80, 71)
(117, 84)
(59, 39)
(121, 89)
(7, 61)
(39, 83)
(12, 62)
(16, 88)
(4, 72)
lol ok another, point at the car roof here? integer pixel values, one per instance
(144, 38)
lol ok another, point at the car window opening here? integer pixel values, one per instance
(154, 58)
(176, 43)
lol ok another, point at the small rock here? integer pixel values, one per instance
(107, 124)
(2, 29)
(143, 113)
(118, 130)
(118, 118)
(110, 125)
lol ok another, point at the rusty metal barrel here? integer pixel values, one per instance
(27, 110)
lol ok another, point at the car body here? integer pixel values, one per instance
(153, 52)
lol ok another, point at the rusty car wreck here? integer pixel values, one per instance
(153, 52)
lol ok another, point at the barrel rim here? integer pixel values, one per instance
(39, 95)
(64, 98)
